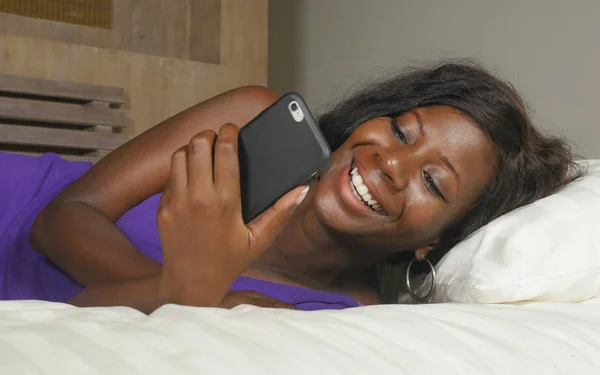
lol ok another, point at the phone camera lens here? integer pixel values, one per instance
(294, 107)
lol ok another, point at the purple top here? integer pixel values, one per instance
(27, 184)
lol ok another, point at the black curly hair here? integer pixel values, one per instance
(529, 164)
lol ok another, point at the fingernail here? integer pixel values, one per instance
(302, 196)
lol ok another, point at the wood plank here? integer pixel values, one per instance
(157, 88)
(205, 31)
(77, 139)
(92, 159)
(247, 20)
(152, 27)
(38, 28)
(68, 114)
(130, 22)
(92, 13)
(63, 90)
(99, 129)
(181, 29)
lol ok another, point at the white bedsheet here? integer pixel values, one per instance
(45, 338)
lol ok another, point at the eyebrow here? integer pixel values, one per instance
(442, 157)
(420, 122)
(450, 166)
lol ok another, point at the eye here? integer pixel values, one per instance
(431, 185)
(398, 133)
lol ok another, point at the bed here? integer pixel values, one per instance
(449, 338)
(520, 296)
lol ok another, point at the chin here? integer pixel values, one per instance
(328, 213)
(365, 233)
(360, 238)
(336, 206)
(332, 217)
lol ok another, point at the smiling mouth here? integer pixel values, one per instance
(361, 191)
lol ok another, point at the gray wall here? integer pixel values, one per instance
(549, 49)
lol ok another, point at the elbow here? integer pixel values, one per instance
(36, 233)
(41, 228)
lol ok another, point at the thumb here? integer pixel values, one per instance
(266, 226)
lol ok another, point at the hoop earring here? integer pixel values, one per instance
(429, 294)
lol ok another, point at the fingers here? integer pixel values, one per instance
(178, 180)
(265, 228)
(200, 163)
(176, 184)
(213, 161)
(227, 170)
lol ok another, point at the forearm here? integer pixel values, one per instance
(87, 245)
(147, 294)
(141, 294)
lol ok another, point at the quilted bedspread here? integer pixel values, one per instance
(535, 338)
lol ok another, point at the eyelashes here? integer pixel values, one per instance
(429, 181)
(398, 133)
(432, 186)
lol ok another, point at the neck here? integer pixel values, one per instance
(306, 253)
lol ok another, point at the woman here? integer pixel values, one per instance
(421, 161)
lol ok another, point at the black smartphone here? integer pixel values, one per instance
(280, 149)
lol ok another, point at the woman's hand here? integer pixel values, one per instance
(206, 244)
(236, 298)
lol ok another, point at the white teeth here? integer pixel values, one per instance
(361, 191)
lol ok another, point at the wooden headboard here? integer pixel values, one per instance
(167, 55)
(76, 121)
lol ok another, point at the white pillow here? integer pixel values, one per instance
(546, 251)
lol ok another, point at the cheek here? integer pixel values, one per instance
(324, 201)
(335, 162)
(426, 219)
(325, 190)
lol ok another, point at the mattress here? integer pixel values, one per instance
(534, 338)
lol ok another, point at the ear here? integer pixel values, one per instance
(423, 251)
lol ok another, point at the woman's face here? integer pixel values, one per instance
(396, 184)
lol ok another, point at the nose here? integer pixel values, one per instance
(397, 166)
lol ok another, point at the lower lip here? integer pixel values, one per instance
(348, 196)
